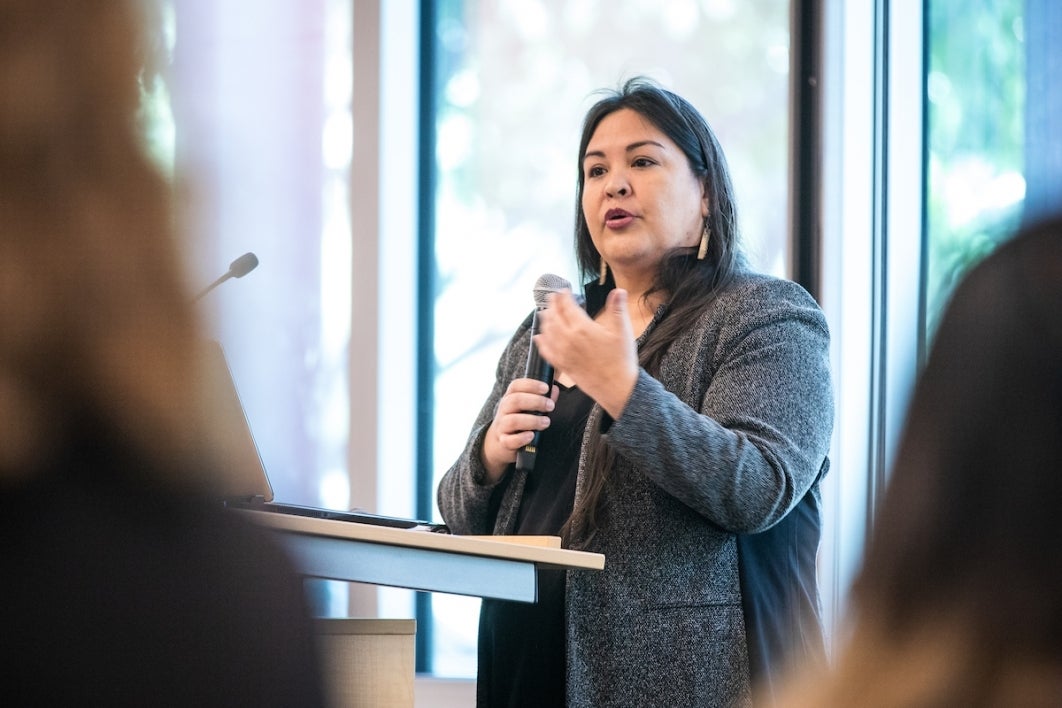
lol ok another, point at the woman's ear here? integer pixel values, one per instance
(706, 202)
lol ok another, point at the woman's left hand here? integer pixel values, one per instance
(599, 355)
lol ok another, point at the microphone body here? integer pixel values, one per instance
(537, 367)
(540, 370)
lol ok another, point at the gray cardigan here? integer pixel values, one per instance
(726, 441)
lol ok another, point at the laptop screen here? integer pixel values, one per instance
(243, 482)
(242, 474)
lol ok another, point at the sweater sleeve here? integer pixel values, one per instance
(756, 444)
(464, 499)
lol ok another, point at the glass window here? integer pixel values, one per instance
(513, 81)
(976, 135)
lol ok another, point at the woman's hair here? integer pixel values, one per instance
(96, 328)
(689, 284)
(964, 565)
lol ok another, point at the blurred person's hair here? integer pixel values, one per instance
(971, 511)
(958, 600)
(96, 326)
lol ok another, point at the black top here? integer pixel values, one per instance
(522, 656)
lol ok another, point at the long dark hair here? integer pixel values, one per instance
(688, 283)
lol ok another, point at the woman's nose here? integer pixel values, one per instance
(617, 185)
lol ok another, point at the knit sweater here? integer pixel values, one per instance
(728, 438)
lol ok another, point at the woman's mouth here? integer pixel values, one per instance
(618, 218)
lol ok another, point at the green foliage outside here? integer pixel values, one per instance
(976, 112)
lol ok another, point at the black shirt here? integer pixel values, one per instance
(522, 655)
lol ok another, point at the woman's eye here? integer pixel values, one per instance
(642, 162)
(596, 171)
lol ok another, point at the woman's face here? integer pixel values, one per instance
(640, 196)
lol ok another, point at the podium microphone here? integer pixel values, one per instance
(237, 269)
(537, 367)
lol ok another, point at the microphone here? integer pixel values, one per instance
(237, 269)
(537, 367)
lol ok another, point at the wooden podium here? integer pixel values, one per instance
(500, 567)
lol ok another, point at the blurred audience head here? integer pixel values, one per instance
(958, 601)
(95, 323)
(972, 501)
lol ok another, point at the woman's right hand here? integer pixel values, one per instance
(515, 424)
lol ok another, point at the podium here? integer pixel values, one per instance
(480, 566)
(500, 567)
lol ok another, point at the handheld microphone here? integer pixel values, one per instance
(537, 367)
(237, 269)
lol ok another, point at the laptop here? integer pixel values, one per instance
(245, 484)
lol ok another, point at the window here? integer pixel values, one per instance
(924, 157)
(976, 136)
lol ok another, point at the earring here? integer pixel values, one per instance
(604, 272)
(706, 234)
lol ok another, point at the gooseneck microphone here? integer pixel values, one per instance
(537, 367)
(237, 269)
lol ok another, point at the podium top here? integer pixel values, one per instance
(505, 548)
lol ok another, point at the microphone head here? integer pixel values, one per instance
(548, 283)
(243, 265)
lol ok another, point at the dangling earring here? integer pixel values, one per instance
(604, 272)
(706, 234)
